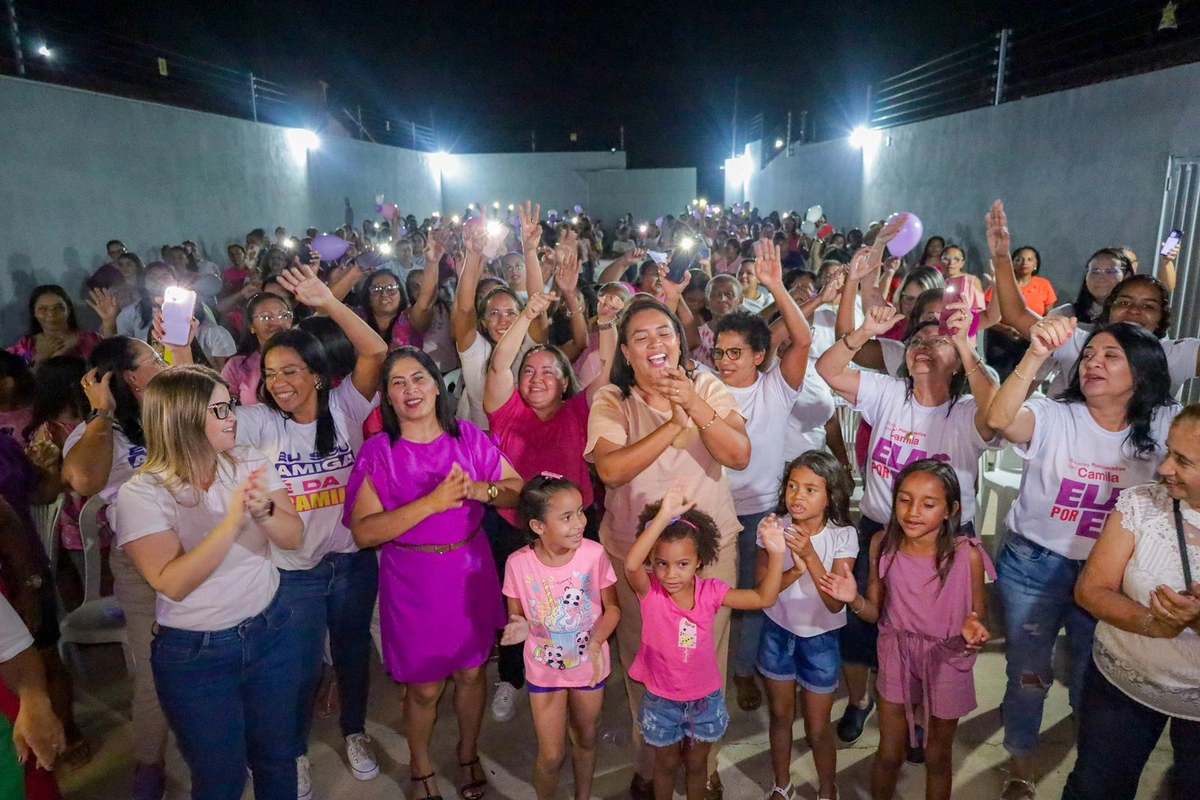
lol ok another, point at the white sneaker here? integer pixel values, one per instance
(503, 702)
(303, 781)
(361, 756)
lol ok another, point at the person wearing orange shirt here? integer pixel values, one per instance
(1004, 346)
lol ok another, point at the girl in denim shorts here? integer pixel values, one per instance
(683, 709)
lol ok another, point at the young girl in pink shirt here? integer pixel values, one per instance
(926, 592)
(562, 603)
(683, 709)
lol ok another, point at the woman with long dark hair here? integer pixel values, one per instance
(418, 492)
(311, 430)
(386, 309)
(53, 329)
(655, 423)
(1104, 434)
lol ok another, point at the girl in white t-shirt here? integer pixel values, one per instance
(198, 521)
(1104, 435)
(312, 432)
(800, 642)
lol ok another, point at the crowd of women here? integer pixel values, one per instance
(470, 436)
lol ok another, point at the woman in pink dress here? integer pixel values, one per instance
(418, 492)
(53, 330)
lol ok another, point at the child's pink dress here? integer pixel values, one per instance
(923, 658)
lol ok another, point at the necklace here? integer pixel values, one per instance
(916, 426)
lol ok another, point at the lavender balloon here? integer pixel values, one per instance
(578, 209)
(908, 237)
(330, 247)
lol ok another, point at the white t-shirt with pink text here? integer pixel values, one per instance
(1074, 472)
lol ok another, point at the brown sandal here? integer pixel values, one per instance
(474, 789)
(424, 781)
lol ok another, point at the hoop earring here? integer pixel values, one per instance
(317, 386)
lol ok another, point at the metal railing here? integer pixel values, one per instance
(43, 46)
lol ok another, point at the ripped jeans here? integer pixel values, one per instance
(1037, 587)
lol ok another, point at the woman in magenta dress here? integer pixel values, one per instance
(418, 491)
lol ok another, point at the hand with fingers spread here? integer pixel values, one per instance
(861, 265)
(840, 585)
(567, 274)
(890, 231)
(675, 501)
(880, 320)
(975, 633)
(306, 287)
(435, 247)
(768, 267)
(104, 303)
(771, 532)
(516, 631)
(538, 304)
(1050, 333)
(835, 279)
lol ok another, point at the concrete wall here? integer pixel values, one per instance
(1078, 170)
(556, 180)
(645, 193)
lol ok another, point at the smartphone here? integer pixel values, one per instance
(177, 308)
(678, 266)
(657, 256)
(955, 289)
(1172, 242)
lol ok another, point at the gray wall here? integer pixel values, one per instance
(645, 193)
(557, 180)
(1077, 170)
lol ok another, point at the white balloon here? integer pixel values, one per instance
(814, 214)
(808, 227)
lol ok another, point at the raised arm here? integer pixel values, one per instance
(1013, 309)
(606, 320)
(1166, 267)
(499, 384)
(420, 316)
(983, 385)
(462, 316)
(370, 347)
(566, 278)
(870, 355)
(1008, 414)
(673, 505)
(834, 364)
(531, 239)
(794, 361)
(766, 593)
(104, 303)
(87, 465)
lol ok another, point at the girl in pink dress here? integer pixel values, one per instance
(926, 592)
(418, 492)
(562, 603)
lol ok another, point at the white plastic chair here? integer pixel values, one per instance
(454, 385)
(45, 520)
(99, 620)
(848, 421)
(1004, 481)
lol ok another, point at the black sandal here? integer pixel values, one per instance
(473, 790)
(424, 781)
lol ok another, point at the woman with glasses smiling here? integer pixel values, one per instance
(387, 311)
(924, 413)
(312, 430)
(266, 315)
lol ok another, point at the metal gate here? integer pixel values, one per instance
(1181, 210)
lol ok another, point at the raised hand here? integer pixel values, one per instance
(770, 530)
(674, 502)
(880, 320)
(104, 303)
(999, 239)
(99, 391)
(435, 246)
(531, 229)
(673, 291)
(538, 304)
(861, 266)
(959, 321)
(567, 274)
(307, 288)
(516, 631)
(1050, 333)
(890, 231)
(159, 330)
(609, 307)
(975, 633)
(840, 586)
(833, 285)
(768, 267)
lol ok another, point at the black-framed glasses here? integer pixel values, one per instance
(222, 410)
(265, 318)
(733, 352)
(389, 290)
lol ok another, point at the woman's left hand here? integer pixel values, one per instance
(1175, 609)
(308, 289)
(160, 330)
(674, 384)
(975, 633)
(959, 321)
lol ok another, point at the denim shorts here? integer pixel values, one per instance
(666, 722)
(814, 662)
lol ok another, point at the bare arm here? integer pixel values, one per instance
(766, 591)
(834, 364)
(499, 384)
(86, 467)
(1012, 303)
(420, 316)
(1007, 413)
(793, 362)
(842, 587)
(619, 465)
(462, 316)
(610, 307)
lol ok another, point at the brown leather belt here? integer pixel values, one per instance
(437, 548)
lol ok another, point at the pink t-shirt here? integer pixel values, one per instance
(534, 446)
(243, 373)
(678, 656)
(562, 605)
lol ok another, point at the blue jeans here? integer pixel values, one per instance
(1117, 734)
(227, 695)
(338, 596)
(1037, 587)
(745, 655)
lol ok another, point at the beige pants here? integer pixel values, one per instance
(629, 638)
(137, 600)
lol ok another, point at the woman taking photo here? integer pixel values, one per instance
(198, 522)
(388, 313)
(1103, 435)
(923, 413)
(136, 320)
(53, 329)
(311, 431)
(1140, 583)
(418, 492)
(653, 424)
(267, 314)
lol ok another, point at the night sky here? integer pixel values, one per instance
(486, 74)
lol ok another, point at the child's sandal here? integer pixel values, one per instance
(424, 781)
(474, 789)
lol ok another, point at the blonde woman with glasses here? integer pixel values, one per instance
(198, 521)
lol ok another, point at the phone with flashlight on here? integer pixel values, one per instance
(681, 261)
(177, 308)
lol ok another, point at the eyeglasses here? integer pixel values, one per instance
(502, 313)
(282, 316)
(1111, 272)
(222, 410)
(928, 343)
(157, 361)
(287, 372)
(389, 290)
(734, 353)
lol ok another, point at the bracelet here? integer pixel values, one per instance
(267, 514)
(710, 423)
(859, 610)
(846, 341)
(606, 326)
(1018, 374)
(1144, 628)
(978, 364)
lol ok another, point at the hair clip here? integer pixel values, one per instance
(554, 475)
(689, 523)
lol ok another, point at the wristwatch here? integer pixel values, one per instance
(267, 514)
(493, 492)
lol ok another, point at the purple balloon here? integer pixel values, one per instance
(908, 237)
(578, 209)
(330, 247)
